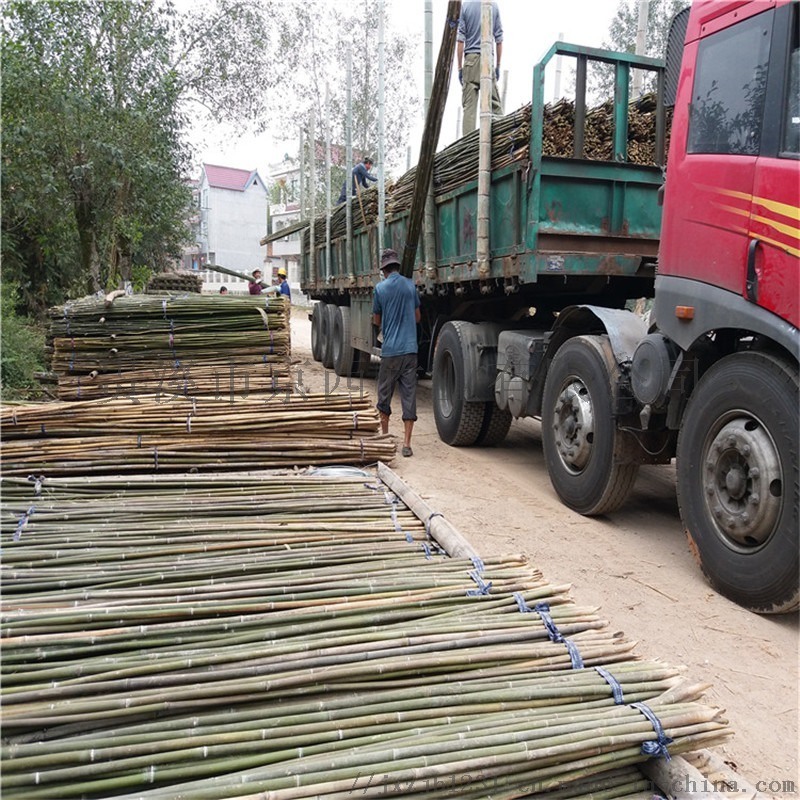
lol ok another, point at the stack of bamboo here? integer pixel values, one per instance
(169, 432)
(458, 163)
(180, 281)
(196, 345)
(302, 637)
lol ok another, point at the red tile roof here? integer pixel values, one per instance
(228, 177)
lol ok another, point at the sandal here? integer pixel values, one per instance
(407, 451)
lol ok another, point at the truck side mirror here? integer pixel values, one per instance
(675, 42)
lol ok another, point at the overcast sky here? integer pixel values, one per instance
(529, 26)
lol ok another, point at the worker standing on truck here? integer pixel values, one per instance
(361, 174)
(395, 308)
(468, 53)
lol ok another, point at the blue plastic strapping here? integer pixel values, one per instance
(139, 440)
(428, 521)
(164, 307)
(657, 747)
(480, 567)
(574, 654)
(427, 550)
(616, 689)
(355, 420)
(483, 587)
(155, 457)
(189, 423)
(524, 608)
(23, 521)
(543, 610)
(43, 430)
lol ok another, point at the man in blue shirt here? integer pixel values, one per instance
(395, 308)
(360, 176)
(468, 53)
(284, 287)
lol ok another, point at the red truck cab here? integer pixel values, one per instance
(727, 296)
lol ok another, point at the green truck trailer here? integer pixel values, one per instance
(573, 239)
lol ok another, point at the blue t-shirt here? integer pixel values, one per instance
(396, 300)
(285, 289)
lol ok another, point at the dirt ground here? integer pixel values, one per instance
(635, 566)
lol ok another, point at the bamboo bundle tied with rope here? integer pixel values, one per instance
(252, 635)
(194, 343)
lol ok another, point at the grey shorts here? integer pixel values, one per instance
(398, 371)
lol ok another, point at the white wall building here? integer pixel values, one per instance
(231, 221)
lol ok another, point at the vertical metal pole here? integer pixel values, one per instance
(641, 45)
(429, 227)
(408, 158)
(328, 208)
(459, 123)
(348, 178)
(580, 106)
(312, 189)
(485, 141)
(381, 125)
(504, 88)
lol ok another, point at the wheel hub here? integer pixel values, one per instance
(742, 479)
(573, 422)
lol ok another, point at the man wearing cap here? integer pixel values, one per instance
(361, 175)
(283, 287)
(395, 308)
(255, 285)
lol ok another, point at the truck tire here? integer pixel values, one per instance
(344, 355)
(738, 480)
(328, 316)
(496, 422)
(316, 333)
(458, 422)
(583, 449)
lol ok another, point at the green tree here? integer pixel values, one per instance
(622, 37)
(92, 157)
(316, 34)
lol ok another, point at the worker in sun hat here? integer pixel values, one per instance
(395, 308)
(256, 285)
(284, 287)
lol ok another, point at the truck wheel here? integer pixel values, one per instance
(458, 422)
(496, 422)
(582, 447)
(344, 355)
(738, 480)
(328, 316)
(316, 333)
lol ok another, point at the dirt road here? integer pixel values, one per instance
(635, 566)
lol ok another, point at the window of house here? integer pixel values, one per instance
(730, 83)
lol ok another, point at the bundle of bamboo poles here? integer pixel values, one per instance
(170, 432)
(179, 281)
(458, 163)
(294, 637)
(135, 345)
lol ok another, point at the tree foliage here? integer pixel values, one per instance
(92, 156)
(317, 33)
(622, 37)
(99, 96)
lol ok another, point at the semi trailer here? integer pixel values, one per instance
(543, 327)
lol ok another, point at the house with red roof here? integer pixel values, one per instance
(230, 221)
